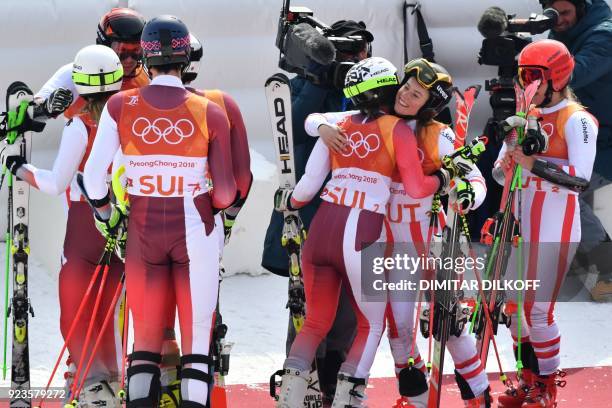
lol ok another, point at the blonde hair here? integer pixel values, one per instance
(95, 105)
(568, 93)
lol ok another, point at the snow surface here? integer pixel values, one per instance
(253, 308)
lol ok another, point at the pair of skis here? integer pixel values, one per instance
(446, 315)
(278, 94)
(16, 129)
(503, 233)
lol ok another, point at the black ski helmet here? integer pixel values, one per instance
(371, 84)
(436, 79)
(165, 40)
(121, 25)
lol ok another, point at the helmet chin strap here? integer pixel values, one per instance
(547, 96)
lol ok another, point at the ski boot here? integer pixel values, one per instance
(99, 394)
(69, 377)
(543, 392)
(413, 389)
(293, 388)
(514, 397)
(467, 395)
(350, 392)
(482, 401)
(169, 372)
(170, 395)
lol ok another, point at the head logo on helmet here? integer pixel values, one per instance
(371, 84)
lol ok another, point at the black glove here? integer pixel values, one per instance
(57, 102)
(535, 141)
(445, 176)
(12, 161)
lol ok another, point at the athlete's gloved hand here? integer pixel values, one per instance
(57, 102)
(228, 224)
(509, 127)
(536, 141)
(462, 196)
(513, 122)
(282, 200)
(113, 227)
(445, 176)
(11, 159)
(461, 165)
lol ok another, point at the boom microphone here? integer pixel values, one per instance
(493, 22)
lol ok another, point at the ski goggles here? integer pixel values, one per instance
(127, 50)
(105, 78)
(529, 74)
(424, 73)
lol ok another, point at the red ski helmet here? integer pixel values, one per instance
(547, 60)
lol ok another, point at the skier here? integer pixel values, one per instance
(118, 29)
(83, 245)
(424, 91)
(557, 160)
(307, 96)
(351, 217)
(238, 139)
(224, 220)
(168, 138)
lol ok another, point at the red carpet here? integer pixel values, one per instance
(589, 387)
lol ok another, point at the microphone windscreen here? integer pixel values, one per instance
(493, 22)
(314, 44)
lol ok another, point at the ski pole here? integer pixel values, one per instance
(502, 375)
(110, 245)
(107, 318)
(6, 277)
(126, 323)
(80, 310)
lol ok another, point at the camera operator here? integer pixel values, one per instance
(585, 27)
(319, 92)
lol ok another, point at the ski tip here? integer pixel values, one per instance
(18, 87)
(278, 77)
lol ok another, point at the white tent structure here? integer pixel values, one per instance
(238, 37)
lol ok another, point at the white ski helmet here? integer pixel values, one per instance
(97, 69)
(371, 83)
(195, 56)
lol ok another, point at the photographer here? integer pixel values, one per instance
(309, 95)
(585, 27)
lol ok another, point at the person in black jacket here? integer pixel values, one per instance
(306, 98)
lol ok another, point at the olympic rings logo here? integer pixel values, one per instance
(362, 146)
(548, 128)
(421, 155)
(162, 128)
